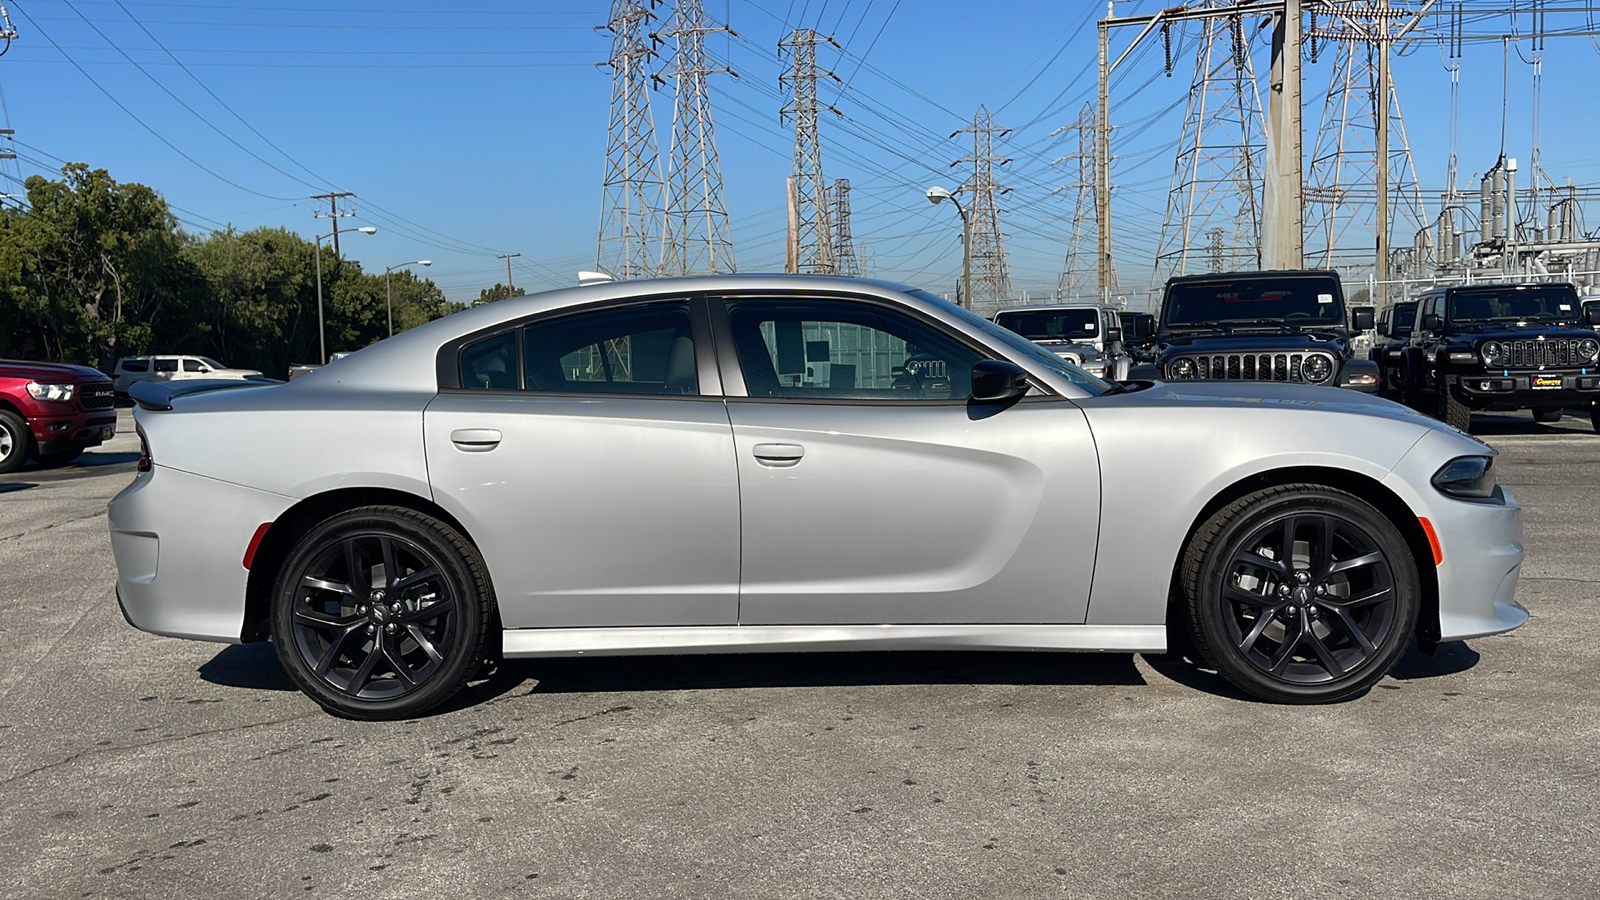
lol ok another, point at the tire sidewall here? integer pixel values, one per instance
(21, 440)
(458, 563)
(1211, 610)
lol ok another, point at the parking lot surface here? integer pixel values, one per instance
(138, 766)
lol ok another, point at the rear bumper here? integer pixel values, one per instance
(179, 542)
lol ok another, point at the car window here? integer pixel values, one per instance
(134, 364)
(629, 350)
(165, 365)
(193, 365)
(846, 350)
(212, 363)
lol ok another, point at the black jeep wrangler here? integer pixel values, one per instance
(1286, 326)
(1389, 345)
(1503, 347)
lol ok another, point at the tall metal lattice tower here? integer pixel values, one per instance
(1213, 218)
(630, 217)
(1079, 273)
(697, 236)
(844, 245)
(1341, 200)
(991, 273)
(815, 236)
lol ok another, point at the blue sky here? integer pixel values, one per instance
(476, 128)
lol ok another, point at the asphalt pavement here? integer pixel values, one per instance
(139, 766)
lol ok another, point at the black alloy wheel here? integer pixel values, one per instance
(15, 439)
(1301, 594)
(381, 613)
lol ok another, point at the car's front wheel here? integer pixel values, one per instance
(1451, 411)
(1301, 594)
(381, 613)
(15, 439)
(1548, 415)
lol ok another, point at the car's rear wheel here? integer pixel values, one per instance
(1548, 415)
(59, 458)
(15, 439)
(1301, 594)
(381, 613)
(1594, 418)
(1451, 411)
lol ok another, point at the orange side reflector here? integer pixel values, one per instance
(261, 532)
(1433, 540)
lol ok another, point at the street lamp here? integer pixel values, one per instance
(389, 289)
(322, 332)
(935, 195)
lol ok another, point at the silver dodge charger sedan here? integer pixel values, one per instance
(766, 463)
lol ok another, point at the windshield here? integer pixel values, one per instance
(1052, 324)
(1507, 304)
(1023, 347)
(1253, 301)
(211, 363)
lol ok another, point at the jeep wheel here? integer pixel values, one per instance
(15, 439)
(1594, 418)
(1548, 415)
(1451, 411)
(1301, 594)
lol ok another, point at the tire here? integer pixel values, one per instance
(1594, 418)
(1451, 411)
(16, 439)
(1255, 610)
(402, 655)
(1548, 415)
(59, 458)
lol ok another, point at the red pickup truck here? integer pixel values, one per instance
(52, 412)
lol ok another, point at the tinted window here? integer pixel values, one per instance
(845, 350)
(193, 365)
(1510, 305)
(134, 364)
(1052, 325)
(491, 364)
(631, 350)
(165, 365)
(1245, 301)
(1405, 315)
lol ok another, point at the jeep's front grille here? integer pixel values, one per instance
(1532, 354)
(1251, 366)
(96, 395)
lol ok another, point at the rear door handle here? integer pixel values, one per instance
(779, 455)
(475, 439)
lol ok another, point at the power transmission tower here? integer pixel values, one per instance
(814, 236)
(991, 272)
(844, 247)
(1079, 272)
(631, 209)
(1345, 219)
(333, 199)
(1214, 205)
(697, 236)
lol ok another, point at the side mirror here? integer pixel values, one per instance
(1591, 314)
(1361, 318)
(1432, 322)
(995, 380)
(1113, 335)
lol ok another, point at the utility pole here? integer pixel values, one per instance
(844, 248)
(697, 237)
(508, 257)
(333, 198)
(631, 209)
(1102, 165)
(1283, 219)
(813, 237)
(987, 246)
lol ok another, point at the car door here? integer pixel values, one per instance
(872, 491)
(590, 456)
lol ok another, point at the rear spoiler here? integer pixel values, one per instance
(158, 395)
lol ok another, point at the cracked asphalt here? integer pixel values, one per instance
(138, 766)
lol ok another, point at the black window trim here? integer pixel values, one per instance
(447, 363)
(733, 375)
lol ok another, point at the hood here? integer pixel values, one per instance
(1529, 333)
(1242, 394)
(50, 372)
(1073, 348)
(1255, 342)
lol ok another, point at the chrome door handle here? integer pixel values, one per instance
(779, 455)
(475, 439)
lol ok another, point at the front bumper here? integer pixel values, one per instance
(54, 433)
(179, 542)
(1525, 390)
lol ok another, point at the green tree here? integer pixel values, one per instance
(498, 292)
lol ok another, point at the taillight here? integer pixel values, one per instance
(144, 450)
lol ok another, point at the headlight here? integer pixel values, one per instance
(1589, 348)
(60, 393)
(1467, 478)
(1494, 354)
(1183, 369)
(1317, 369)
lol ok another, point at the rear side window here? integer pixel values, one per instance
(165, 365)
(632, 350)
(133, 364)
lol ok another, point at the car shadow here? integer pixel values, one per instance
(251, 666)
(103, 459)
(14, 486)
(1450, 658)
(788, 670)
(1414, 665)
